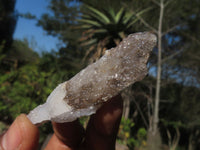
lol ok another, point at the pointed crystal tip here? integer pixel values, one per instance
(39, 115)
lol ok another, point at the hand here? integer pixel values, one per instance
(100, 134)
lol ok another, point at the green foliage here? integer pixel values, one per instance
(16, 56)
(20, 51)
(181, 99)
(103, 28)
(3, 127)
(22, 90)
(124, 134)
(126, 137)
(64, 14)
(27, 15)
(27, 79)
(141, 135)
(61, 24)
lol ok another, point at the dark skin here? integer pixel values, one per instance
(100, 133)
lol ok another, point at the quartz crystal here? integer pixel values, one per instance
(83, 94)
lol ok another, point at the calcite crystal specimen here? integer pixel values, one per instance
(83, 94)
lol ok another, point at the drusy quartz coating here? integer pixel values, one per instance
(83, 94)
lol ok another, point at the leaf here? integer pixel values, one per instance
(96, 11)
(100, 31)
(83, 26)
(119, 15)
(130, 21)
(143, 11)
(112, 13)
(90, 42)
(90, 22)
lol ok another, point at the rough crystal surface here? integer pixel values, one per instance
(85, 92)
(117, 69)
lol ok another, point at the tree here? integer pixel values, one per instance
(169, 20)
(8, 19)
(104, 27)
(60, 24)
(181, 99)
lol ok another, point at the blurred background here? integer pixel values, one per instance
(43, 43)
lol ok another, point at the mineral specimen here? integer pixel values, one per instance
(89, 89)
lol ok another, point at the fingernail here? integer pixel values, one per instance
(12, 138)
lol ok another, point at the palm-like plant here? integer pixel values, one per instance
(103, 29)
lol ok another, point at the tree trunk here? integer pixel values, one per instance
(127, 96)
(159, 69)
(153, 141)
(190, 145)
(153, 137)
(173, 143)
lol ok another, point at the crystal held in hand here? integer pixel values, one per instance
(83, 94)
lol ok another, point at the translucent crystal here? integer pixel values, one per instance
(83, 94)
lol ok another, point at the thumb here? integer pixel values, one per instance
(22, 135)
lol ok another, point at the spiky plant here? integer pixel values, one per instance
(103, 29)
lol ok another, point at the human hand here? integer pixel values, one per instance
(100, 133)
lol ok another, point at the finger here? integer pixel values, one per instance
(55, 143)
(22, 135)
(67, 136)
(103, 126)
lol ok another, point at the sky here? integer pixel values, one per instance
(26, 28)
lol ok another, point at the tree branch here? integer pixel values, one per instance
(171, 56)
(168, 2)
(159, 69)
(191, 37)
(172, 28)
(140, 111)
(195, 56)
(155, 2)
(146, 24)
